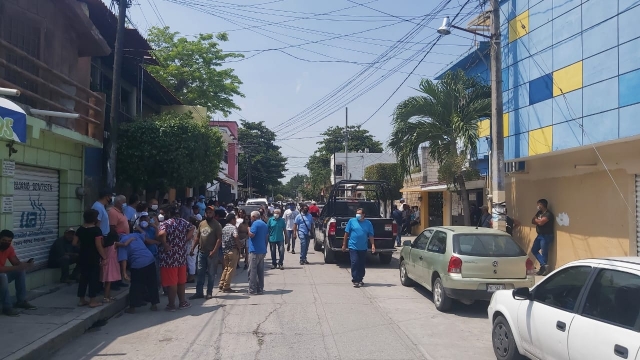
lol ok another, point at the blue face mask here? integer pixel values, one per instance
(358, 216)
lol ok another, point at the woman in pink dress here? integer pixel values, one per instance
(111, 267)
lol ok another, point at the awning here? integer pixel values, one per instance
(435, 188)
(411, 189)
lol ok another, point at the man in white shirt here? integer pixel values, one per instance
(289, 218)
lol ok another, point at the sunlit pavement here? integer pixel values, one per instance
(307, 312)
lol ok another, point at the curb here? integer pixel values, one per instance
(54, 341)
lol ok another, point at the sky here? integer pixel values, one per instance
(313, 48)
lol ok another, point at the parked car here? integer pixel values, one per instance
(464, 263)
(587, 309)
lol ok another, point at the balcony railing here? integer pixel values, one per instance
(44, 88)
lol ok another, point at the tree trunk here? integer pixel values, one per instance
(465, 200)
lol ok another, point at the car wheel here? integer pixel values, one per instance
(385, 259)
(504, 345)
(317, 246)
(440, 298)
(329, 255)
(405, 280)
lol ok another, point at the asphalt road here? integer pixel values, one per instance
(307, 312)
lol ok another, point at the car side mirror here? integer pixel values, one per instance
(406, 243)
(522, 293)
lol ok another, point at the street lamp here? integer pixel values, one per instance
(497, 196)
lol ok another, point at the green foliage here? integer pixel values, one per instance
(445, 116)
(319, 164)
(168, 151)
(279, 197)
(388, 172)
(297, 182)
(261, 155)
(191, 69)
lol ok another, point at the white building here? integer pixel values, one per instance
(357, 162)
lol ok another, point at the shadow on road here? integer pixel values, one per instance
(477, 310)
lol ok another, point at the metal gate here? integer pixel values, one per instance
(36, 194)
(638, 214)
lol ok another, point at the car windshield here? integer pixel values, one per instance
(348, 209)
(486, 245)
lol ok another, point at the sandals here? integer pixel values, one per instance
(170, 308)
(108, 300)
(83, 303)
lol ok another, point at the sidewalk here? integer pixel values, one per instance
(37, 333)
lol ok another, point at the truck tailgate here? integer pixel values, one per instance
(382, 232)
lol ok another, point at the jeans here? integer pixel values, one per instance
(399, 237)
(229, 267)
(64, 263)
(542, 242)
(291, 240)
(358, 259)
(279, 247)
(304, 245)
(207, 266)
(20, 278)
(256, 273)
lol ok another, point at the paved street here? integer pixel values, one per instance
(309, 312)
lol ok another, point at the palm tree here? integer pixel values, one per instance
(445, 115)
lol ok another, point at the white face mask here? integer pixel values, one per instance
(144, 224)
(154, 207)
(276, 215)
(161, 218)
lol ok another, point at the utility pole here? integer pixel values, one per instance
(111, 127)
(346, 144)
(497, 131)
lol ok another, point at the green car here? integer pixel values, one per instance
(464, 263)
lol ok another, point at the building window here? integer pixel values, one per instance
(338, 170)
(225, 157)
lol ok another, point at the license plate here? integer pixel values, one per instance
(388, 227)
(494, 288)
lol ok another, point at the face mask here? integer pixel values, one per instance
(153, 221)
(144, 224)
(161, 218)
(538, 208)
(154, 207)
(4, 246)
(358, 216)
(276, 215)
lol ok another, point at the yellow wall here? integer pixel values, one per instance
(600, 223)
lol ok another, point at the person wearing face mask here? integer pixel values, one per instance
(303, 228)
(201, 205)
(209, 238)
(153, 206)
(259, 236)
(543, 220)
(231, 252)
(289, 217)
(149, 229)
(104, 199)
(357, 232)
(15, 272)
(277, 227)
(186, 210)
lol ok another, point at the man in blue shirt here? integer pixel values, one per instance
(104, 198)
(357, 232)
(303, 227)
(130, 210)
(258, 237)
(144, 284)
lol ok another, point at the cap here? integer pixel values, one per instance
(313, 202)
(402, 200)
(71, 229)
(211, 207)
(144, 213)
(201, 197)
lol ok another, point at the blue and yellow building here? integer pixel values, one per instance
(571, 93)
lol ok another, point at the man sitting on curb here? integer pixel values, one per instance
(63, 254)
(15, 272)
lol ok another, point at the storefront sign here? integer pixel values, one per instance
(13, 122)
(7, 204)
(8, 167)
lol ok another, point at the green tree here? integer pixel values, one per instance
(388, 172)
(445, 116)
(319, 163)
(168, 151)
(191, 69)
(261, 157)
(297, 182)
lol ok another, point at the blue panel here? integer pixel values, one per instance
(520, 96)
(600, 127)
(522, 48)
(567, 107)
(507, 101)
(506, 85)
(567, 135)
(600, 67)
(600, 38)
(567, 52)
(93, 162)
(540, 63)
(519, 120)
(508, 148)
(567, 25)
(629, 87)
(562, 6)
(505, 12)
(597, 11)
(520, 6)
(483, 147)
(626, 4)
(507, 55)
(521, 145)
(629, 56)
(629, 124)
(540, 14)
(541, 115)
(540, 38)
(504, 33)
(628, 22)
(541, 89)
(521, 72)
(600, 97)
